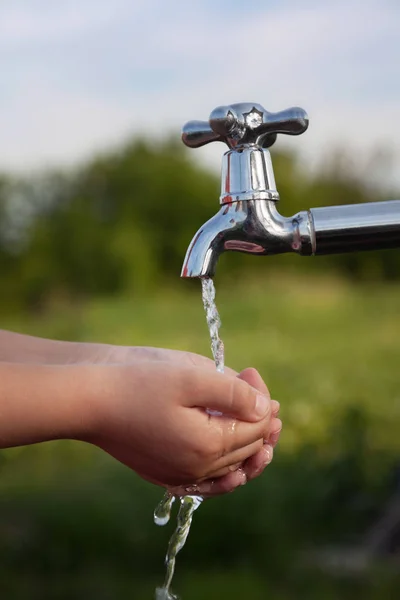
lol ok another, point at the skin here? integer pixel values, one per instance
(147, 407)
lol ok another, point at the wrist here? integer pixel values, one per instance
(42, 403)
(113, 392)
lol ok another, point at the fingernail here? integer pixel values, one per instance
(244, 477)
(269, 454)
(275, 406)
(261, 405)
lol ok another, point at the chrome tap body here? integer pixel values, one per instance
(248, 220)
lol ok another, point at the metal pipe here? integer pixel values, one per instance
(353, 227)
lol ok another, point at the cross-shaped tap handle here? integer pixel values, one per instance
(244, 123)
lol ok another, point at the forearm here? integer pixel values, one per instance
(19, 348)
(40, 403)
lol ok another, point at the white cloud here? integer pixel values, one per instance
(44, 21)
(79, 75)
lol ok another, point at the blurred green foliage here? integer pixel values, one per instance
(123, 222)
(94, 255)
(74, 523)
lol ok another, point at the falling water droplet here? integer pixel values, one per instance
(163, 511)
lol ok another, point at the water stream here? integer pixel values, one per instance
(213, 322)
(188, 504)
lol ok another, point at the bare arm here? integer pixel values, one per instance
(150, 415)
(20, 348)
(40, 403)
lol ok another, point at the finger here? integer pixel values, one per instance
(253, 378)
(275, 432)
(222, 485)
(255, 465)
(213, 486)
(234, 434)
(228, 395)
(275, 408)
(233, 461)
(224, 471)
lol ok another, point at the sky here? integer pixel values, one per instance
(80, 76)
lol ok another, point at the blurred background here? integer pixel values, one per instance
(98, 203)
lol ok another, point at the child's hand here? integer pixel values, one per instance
(145, 406)
(151, 416)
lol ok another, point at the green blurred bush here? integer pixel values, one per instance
(123, 222)
(86, 530)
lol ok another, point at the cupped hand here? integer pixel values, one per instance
(152, 416)
(232, 476)
(236, 474)
(239, 474)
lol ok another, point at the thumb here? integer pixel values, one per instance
(227, 394)
(253, 378)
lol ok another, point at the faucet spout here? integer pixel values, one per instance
(250, 226)
(206, 247)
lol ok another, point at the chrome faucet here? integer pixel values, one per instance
(248, 220)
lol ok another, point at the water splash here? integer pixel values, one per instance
(184, 520)
(188, 504)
